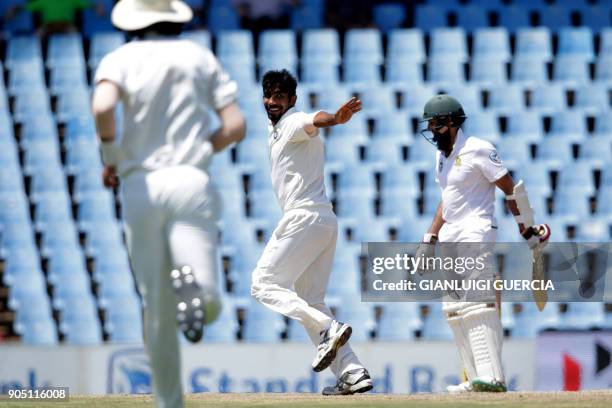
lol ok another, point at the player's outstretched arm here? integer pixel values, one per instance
(342, 115)
(105, 99)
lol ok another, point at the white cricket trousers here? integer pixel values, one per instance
(293, 272)
(170, 221)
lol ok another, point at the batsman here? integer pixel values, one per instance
(467, 170)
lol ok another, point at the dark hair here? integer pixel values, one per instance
(162, 28)
(282, 80)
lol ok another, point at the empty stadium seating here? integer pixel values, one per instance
(528, 88)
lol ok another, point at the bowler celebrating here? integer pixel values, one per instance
(467, 170)
(292, 275)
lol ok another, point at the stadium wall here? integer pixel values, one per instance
(396, 367)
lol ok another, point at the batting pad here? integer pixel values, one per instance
(462, 340)
(485, 336)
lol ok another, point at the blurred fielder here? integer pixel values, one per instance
(167, 87)
(467, 170)
(292, 275)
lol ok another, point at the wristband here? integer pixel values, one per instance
(111, 154)
(430, 238)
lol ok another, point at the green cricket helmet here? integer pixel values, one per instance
(444, 106)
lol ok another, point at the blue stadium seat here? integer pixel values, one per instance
(555, 17)
(119, 283)
(389, 16)
(222, 18)
(596, 17)
(21, 260)
(80, 313)
(570, 206)
(513, 17)
(548, 99)
(403, 72)
(576, 41)
(22, 23)
(23, 49)
(414, 98)
(591, 99)
(360, 316)
(406, 44)
(30, 104)
(569, 125)
(603, 70)
(428, 17)
(13, 208)
(345, 279)
(305, 17)
(399, 321)
(83, 155)
(412, 230)
(225, 328)
(10, 179)
(529, 71)
(432, 198)
(360, 177)
(534, 42)
(386, 151)
(422, 154)
(597, 154)
(35, 324)
(513, 151)
(605, 47)
(41, 154)
(354, 131)
(488, 72)
(79, 127)
(472, 17)
(483, 125)
(531, 321)
(527, 126)
(296, 332)
(400, 203)
(536, 178)
(506, 99)
(435, 326)
(201, 37)
(363, 44)
(264, 205)
(392, 125)
(64, 262)
(67, 78)
(578, 177)
(101, 44)
(594, 230)
(378, 100)
(321, 46)
(262, 325)
(117, 262)
(41, 128)
(320, 74)
(571, 71)
(582, 316)
(103, 234)
(277, 44)
(402, 178)
(253, 151)
(449, 43)
(469, 95)
(555, 154)
(65, 50)
(86, 181)
(74, 103)
(361, 75)
(96, 206)
(124, 320)
(26, 288)
(49, 179)
(492, 43)
(236, 45)
(445, 71)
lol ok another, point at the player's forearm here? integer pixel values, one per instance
(232, 130)
(438, 221)
(324, 119)
(104, 103)
(506, 184)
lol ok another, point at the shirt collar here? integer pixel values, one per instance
(289, 112)
(459, 142)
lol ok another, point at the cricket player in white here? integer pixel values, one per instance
(167, 87)
(468, 169)
(293, 273)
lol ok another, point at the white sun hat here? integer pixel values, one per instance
(131, 15)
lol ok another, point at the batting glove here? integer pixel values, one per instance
(537, 235)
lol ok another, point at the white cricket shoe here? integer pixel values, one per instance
(488, 384)
(351, 382)
(331, 340)
(460, 388)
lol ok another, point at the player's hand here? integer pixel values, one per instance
(109, 177)
(346, 111)
(426, 250)
(536, 235)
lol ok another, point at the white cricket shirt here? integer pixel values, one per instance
(297, 160)
(169, 87)
(467, 178)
